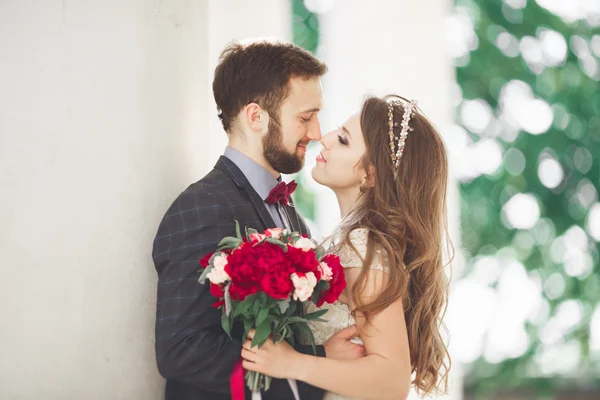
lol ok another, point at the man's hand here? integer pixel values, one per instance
(339, 346)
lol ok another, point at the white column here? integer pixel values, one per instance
(235, 20)
(101, 107)
(382, 47)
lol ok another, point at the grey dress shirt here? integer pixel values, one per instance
(261, 180)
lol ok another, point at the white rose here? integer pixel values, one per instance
(220, 262)
(326, 272)
(275, 233)
(303, 285)
(305, 244)
(218, 275)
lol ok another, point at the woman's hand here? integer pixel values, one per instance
(276, 360)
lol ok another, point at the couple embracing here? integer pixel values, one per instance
(387, 166)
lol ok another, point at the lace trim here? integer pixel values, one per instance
(350, 259)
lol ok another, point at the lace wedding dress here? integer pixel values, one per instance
(338, 314)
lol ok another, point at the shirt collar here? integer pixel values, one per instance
(261, 180)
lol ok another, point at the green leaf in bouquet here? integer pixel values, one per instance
(307, 334)
(229, 243)
(256, 307)
(262, 298)
(225, 323)
(262, 316)
(292, 320)
(241, 308)
(204, 274)
(237, 230)
(277, 243)
(262, 333)
(283, 305)
(248, 325)
(282, 335)
(319, 253)
(228, 301)
(315, 316)
(321, 286)
(292, 308)
(250, 231)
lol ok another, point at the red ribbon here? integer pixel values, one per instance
(236, 384)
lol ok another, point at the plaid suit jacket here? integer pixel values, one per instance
(192, 351)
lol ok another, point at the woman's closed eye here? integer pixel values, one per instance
(342, 138)
(343, 141)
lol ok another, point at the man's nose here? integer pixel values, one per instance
(314, 131)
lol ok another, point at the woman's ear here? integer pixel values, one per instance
(369, 178)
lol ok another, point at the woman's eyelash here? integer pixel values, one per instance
(342, 139)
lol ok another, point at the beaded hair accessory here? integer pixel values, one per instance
(409, 110)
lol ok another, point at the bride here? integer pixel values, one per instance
(388, 168)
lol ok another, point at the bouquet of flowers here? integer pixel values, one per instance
(263, 279)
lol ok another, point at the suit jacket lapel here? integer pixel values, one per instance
(240, 180)
(294, 218)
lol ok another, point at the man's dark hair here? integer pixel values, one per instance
(259, 72)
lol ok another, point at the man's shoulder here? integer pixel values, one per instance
(216, 189)
(216, 184)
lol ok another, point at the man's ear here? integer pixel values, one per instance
(256, 117)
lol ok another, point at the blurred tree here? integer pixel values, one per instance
(523, 60)
(305, 32)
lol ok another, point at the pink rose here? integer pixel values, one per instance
(326, 272)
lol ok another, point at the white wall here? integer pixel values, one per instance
(101, 103)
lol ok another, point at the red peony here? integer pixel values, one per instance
(248, 265)
(218, 292)
(204, 260)
(337, 284)
(277, 283)
(303, 261)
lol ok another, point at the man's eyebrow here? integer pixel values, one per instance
(314, 109)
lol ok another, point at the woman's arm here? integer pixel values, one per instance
(383, 374)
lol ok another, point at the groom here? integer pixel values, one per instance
(269, 96)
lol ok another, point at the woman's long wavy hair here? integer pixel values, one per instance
(407, 219)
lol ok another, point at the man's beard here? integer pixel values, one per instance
(276, 154)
